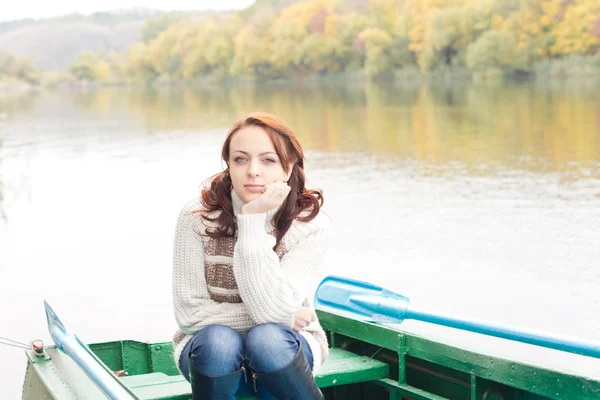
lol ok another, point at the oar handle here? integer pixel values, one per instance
(563, 343)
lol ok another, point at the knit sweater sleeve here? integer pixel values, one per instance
(194, 309)
(274, 289)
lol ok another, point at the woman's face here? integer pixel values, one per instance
(253, 162)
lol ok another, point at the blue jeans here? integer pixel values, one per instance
(219, 350)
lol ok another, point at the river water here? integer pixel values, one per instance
(480, 200)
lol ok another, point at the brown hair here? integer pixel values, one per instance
(216, 193)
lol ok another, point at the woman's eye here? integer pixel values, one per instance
(270, 160)
(239, 159)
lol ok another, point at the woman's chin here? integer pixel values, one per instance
(248, 197)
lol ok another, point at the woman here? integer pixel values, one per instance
(245, 257)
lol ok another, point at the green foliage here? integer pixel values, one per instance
(138, 64)
(286, 38)
(18, 68)
(155, 26)
(251, 53)
(383, 53)
(493, 50)
(99, 66)
(454, 28)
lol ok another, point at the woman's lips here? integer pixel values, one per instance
(254, 188)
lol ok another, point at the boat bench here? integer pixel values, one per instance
(341, 368)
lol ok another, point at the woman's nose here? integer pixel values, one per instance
(253, 168)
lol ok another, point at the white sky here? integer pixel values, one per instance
(17, 9)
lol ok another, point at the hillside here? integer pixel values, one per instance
(53, 43)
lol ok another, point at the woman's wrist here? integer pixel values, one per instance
(248, 210)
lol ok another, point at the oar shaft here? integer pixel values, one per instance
(577, 346)
(102, 378)
(106, 381)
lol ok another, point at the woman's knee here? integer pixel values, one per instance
(270, 347)
(265, 337)
(217, 350)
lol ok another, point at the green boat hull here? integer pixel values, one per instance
(367, 361)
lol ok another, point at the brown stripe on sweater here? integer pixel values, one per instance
(225, 298)
(220, 275)
(219, 246)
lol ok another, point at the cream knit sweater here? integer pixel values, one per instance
(271, 289)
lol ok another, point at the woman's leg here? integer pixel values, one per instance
(281, 361)
(212, 362)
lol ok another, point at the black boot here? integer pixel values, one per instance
(292, 382)
(222, 387)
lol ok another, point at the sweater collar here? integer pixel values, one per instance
(238, 203)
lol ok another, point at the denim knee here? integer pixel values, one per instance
(217, 350)
(270, 347)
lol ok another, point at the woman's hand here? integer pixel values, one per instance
(273, 196)
(303, 317)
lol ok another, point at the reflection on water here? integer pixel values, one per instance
(523, 126)
(479, 200)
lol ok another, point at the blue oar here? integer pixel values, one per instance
(88, 361)
(366, 302)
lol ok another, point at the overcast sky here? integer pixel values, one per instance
(17, 9)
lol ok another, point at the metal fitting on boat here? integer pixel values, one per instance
(38, 348)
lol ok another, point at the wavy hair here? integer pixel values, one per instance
(216, 192)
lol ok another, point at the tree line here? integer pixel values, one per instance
(374, 37)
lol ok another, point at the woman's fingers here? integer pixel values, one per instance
(272, 196)
(276, 193)
(268, 189)
(299, 325)
(303, 317)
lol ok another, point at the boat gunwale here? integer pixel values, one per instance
(538, 380)
(139, 357)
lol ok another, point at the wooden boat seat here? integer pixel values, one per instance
(341, 368)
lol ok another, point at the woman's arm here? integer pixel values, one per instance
(273, 290)
(192, 304)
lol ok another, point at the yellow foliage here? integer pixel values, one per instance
(424, 12)
(291, 27)
(497, 22)
(375, 37)
(551, 9)
(251, 51)
(529, 24)
(136, 57)
(386, 12)
(300, 13)
(102, 70)
(333, 25)
(321, 36)
(572, 32)
(161, 49)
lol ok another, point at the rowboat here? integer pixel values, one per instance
(368, 360)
